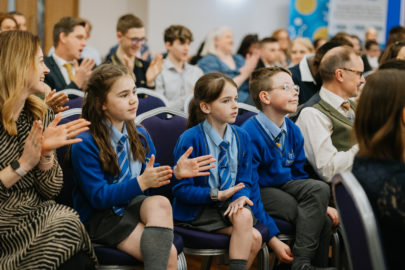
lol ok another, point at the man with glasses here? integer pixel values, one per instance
(131, 37)
(327, 125)
(67, 68)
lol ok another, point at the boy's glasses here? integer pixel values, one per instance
(136, 41)
(288, 88)
(359, 73)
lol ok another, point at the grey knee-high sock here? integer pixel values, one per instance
(237, 264)
(156, 243)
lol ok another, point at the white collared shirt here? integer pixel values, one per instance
(60, 62)
(317, 129)
(306, 75)
(176, 86)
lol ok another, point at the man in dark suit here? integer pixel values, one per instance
(67, 69)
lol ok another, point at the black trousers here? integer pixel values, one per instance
(303, 203)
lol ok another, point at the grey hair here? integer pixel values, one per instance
(209, 45)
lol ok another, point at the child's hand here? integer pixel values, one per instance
(192, 167)
(225, 194)
(281, 249)
(333, 214)
(234, 206)
(154, 177)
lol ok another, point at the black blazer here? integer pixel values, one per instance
(55, 78)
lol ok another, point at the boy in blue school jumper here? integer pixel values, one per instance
(278, 167)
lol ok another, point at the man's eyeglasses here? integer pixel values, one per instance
(136, 41)
(359, 73)
(288, 87)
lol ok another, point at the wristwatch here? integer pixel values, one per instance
(214, 194)
(17, 168)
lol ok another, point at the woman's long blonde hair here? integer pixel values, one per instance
(18, 51)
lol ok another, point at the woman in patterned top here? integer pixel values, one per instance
(35, 232)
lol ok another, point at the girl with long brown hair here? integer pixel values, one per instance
(114, 170)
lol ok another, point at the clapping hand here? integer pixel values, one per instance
(57, 136)
(56, 102)
(193, 167)
(154, 177)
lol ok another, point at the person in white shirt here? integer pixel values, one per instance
(177, 79)
(327, 125)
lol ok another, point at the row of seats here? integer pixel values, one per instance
(165, 125)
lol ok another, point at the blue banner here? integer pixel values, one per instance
(309, 18)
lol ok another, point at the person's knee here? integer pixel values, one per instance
(243, 219)
(257, 241)
(161, 205)
(321, 189)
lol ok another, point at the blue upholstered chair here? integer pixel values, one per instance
(149, 100)
(360, 231)
(108, 257)
(216, 244)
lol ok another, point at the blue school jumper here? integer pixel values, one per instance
(93, 189)
(192, 194)
(276, 166)
(272, 166)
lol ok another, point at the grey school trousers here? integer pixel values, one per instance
(303, 203)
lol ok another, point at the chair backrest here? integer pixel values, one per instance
(149, 100)
(73, 92)
(75, 103)
(245, 112)
(165, 126)
(359, 224)
(65, 195)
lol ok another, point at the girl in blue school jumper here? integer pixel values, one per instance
(113, 167)
(218, 202)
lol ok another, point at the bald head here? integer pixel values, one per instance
(339, 57)
(371, 34)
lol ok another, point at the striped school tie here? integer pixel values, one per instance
(223, 167)
(123, 163)
(278, 138)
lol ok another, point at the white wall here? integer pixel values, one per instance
(201, 16)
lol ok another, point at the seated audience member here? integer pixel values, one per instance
(393, 64)
(177, 79)
(396, 33)
(218, 202)
(327, 124)
(269, 53)
(285, 43)
(7, 23)
(67, 68)
(278, 167)
(318, 43)
(20, 19)
(248, 46)
(36, 233)
(195, 58)
(371, 35)
(114, 171)
(131, 36)
(218, 57)
(355, 40)
(342, 38)
(90, 51)
(394, 51)
(380, 163)
(305, 74)
(299, 48)
(372, 53)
